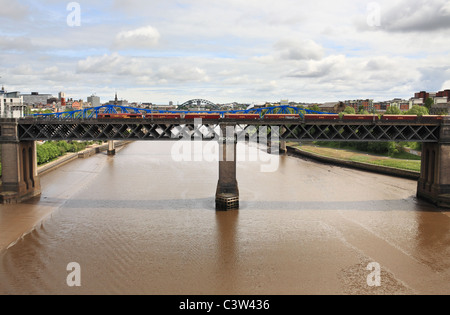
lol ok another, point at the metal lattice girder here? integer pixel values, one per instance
(170, 130)
(369, 133)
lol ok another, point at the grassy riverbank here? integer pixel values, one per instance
(402, 160)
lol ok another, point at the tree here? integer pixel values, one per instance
(418, 110)
(315, 108)
(360, 109)
(429, 103)
(393, 110)
(349, 110)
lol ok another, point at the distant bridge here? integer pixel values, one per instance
(199, 103)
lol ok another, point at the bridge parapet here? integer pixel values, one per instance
(445, 131)
(9, 130)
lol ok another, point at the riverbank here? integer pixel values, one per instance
(89, 151)
(16, 222)
(357, 160)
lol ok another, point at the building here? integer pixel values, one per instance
(118, 103)
(441, 101)
(421, 97)
(94, 100)
(333, 107)
(402, 104)
(53, 101)
(358, 104)
(36, 100)
(11, 104)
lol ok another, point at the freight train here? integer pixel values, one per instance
(275, 117)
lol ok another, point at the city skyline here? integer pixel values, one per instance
(228, 51)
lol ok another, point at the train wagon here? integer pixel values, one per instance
(324, 117)
(360, 118)
(163, 116)
(281, 116)
(119, 116)
(243, 116)
(405, 118)
(202, 116)
(431, 119)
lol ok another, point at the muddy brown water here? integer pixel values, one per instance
(142, 223)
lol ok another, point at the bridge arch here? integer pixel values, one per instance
(200, 103)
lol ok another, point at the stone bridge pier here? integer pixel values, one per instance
(20, 180)
(434, 182)
(227, 194)
(111, 148)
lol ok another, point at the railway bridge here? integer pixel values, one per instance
(18, 137)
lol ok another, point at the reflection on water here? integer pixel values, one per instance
(141, 223)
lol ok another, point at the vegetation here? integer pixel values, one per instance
(401, 160)
(393, 110)
(429, 103)
(418, 110)
(392, 149)
(349, 111)
(410, 165)
(50, 150)
(315, 108)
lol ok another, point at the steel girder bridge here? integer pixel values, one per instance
(92, 113)
(199, 103)
(169, 130)
(84, 125)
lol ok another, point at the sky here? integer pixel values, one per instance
(247, 51)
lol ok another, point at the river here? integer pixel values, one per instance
(142, 223)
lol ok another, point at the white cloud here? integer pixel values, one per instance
(228, 50)
(144, 37)
(13, 43)
(294, 49)
(332, 65)
(412, 16)
(181, 73)
(13, 9)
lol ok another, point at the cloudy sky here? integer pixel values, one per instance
(228, 50)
